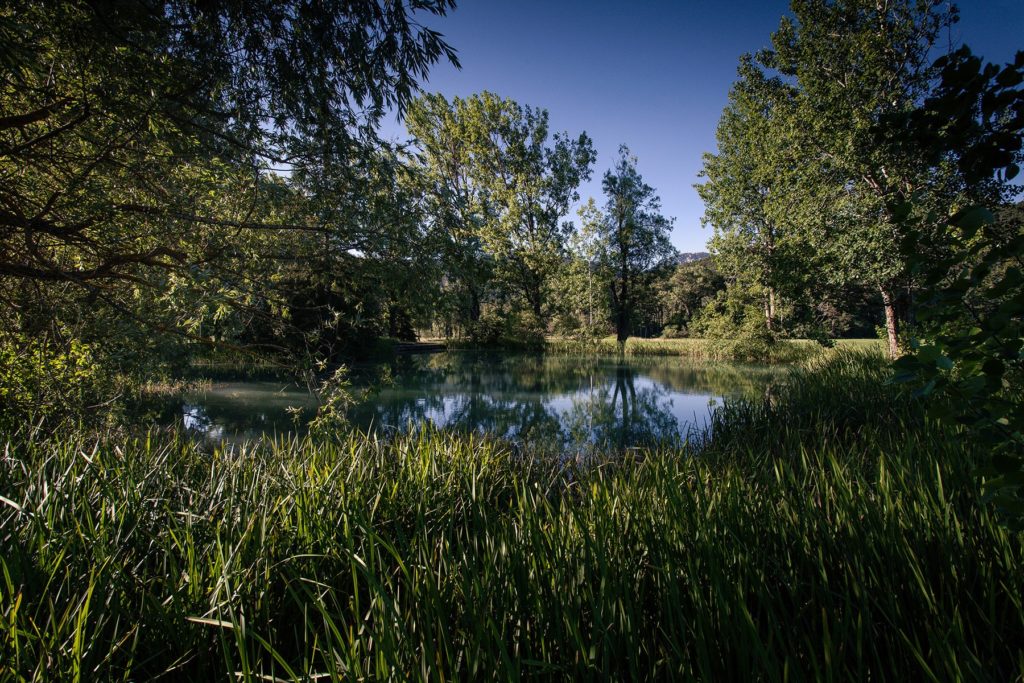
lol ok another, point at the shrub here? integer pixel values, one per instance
(509, 330)
(44, 380)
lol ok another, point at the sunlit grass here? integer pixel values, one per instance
(785, 351)
(828, 532)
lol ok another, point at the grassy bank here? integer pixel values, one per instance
(784, 351)
(828, 533)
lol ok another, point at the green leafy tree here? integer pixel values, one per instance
(852, 63)
(690, 287)
(581, 305)
(452, 205)
(633, 237)
(136, 142)
(502, 185)
(970, 357)
(746, 193)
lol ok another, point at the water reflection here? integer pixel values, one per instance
(572, 402)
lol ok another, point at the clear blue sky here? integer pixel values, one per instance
(651, 74)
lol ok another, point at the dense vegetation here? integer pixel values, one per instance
(195, 187)
(178, 179)
(831, 533)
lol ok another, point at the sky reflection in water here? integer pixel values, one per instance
(575, 403)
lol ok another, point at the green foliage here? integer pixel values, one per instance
(754, 233)
(133, 138)
(802, 191)
(673, 332)
(141, 215)
(690, 288)
(825, 532)
(631, 237)
(734, 320)
(581, 287)
(334, 398)
(45, 382)
(970, 357)
(498, 189)
(513, 330)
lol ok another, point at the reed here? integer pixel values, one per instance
(829, 532)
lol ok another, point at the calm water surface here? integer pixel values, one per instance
(569, 401)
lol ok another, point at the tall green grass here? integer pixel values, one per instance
(784, 351)
(829, 532)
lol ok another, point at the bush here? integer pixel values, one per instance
(674, 332)
(738, 331)
(43, 380)
(508, 330)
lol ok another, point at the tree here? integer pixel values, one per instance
(503, 183)
(852, 63)
(137, 139)
(452, 205)
(968, 360)
(633, 234)
(689, 289)
(745, 192)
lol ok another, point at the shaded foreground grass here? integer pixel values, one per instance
(827, 533)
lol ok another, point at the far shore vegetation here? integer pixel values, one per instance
(194, 193)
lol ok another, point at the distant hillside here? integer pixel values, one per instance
(690, 257)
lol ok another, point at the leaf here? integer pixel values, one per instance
(971, 219)
(926, 390)
(993, 367)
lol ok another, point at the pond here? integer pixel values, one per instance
(574, 402)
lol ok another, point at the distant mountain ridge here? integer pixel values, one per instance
(691, 256)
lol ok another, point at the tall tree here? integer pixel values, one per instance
(633, 234)
(452, 205)
(745, 194)
(497, 161)
(853, 63)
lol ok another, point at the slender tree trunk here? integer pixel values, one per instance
(474, 306)
(590, 295)
(891, 321)
(622, 321)
(622, 315)
(769, 310)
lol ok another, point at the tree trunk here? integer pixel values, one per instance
(769, 310)
(622, 316)
(891, 322)
(590, 296)
(623, 312)
(474, 306)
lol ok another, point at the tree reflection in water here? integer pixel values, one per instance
(571, 403)
(606, 402)
(615, 413)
